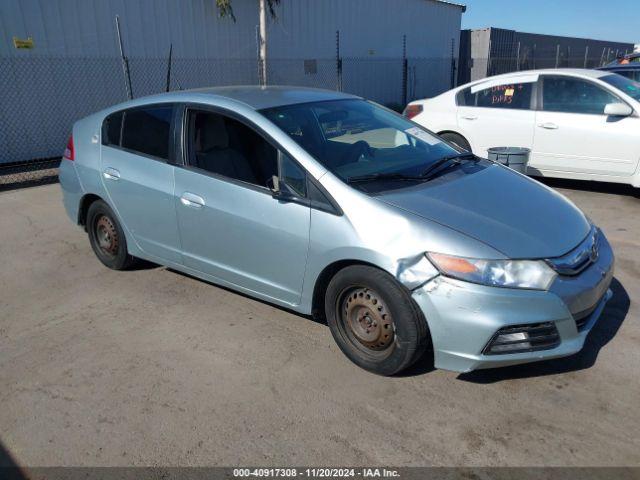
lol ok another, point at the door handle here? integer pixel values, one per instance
(549, 126)
(111, 174)
(191, 200)
(470, 117)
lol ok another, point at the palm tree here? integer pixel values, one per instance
(225, 8)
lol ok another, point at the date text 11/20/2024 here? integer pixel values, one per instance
(316, 472)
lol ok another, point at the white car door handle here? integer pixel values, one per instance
(470, 117)
(192, 200)
(549, 126)
(111, 174)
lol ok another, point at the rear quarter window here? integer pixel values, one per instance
(112, 129)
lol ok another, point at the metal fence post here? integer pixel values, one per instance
(557, 55)
(453, 63)
(405, 65)
(518, 58)
(338, 62)
(168, 86)
(586, 56)
(259, 58)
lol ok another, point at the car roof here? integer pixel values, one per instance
(579, 72)
(255, 97)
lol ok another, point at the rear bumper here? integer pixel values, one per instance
(464, 317)
(71, 188)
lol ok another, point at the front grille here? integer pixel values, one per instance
(580, 258)
(523, 338)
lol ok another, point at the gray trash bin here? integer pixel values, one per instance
(515, 158)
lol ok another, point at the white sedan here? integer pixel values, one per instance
(579, 124)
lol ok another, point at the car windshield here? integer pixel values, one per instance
(624, 84)
(360, 141)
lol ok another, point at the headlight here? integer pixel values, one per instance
(531, 274)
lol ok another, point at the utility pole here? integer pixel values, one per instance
(263, 41)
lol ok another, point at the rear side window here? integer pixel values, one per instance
(111, 129)
(573, 95)
(514, 96)
(147, 130)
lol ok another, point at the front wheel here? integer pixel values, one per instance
(374, 320)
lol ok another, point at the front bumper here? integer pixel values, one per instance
(464, 317)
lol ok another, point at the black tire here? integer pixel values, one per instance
(457, 140)
(359, 324)
(106, 237)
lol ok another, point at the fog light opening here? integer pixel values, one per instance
(523, 338)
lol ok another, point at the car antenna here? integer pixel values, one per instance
(125, 62)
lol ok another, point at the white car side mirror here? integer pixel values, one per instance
(618, 110)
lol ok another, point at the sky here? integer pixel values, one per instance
(613, 20)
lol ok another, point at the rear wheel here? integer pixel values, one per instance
(457, 140)
(106, 237)
(374, 320)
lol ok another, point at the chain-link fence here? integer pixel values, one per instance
(41, 97)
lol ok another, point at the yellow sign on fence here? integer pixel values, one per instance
(23, 43)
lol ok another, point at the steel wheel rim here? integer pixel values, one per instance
(106, 236)
(367, 320)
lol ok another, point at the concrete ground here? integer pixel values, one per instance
(151, 367)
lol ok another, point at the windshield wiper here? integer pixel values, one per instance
(382, 176)
(456, 158)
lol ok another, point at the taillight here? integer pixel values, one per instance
(413, 110)
(69, 153)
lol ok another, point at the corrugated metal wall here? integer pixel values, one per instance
(74, 68)
(86, 28)
(368, 28)
(492, 51)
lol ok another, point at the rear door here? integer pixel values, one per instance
(498, 113)
(137, 150)
(231, 226)
(573, 134)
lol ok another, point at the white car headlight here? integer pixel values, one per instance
(530, 274)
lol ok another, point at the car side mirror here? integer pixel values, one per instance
(274, 185)
(617, 110)
(278, 189)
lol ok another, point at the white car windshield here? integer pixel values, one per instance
(626, 85)
(356, 139)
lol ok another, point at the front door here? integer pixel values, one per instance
(573, 134)
(139, 179)
(231, 227)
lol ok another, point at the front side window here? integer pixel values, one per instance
(513, 96)
(626, 85)
(573, 95)
(224, 146)
(147, 130)
(355, 138)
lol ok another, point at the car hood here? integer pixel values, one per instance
(513, 214)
